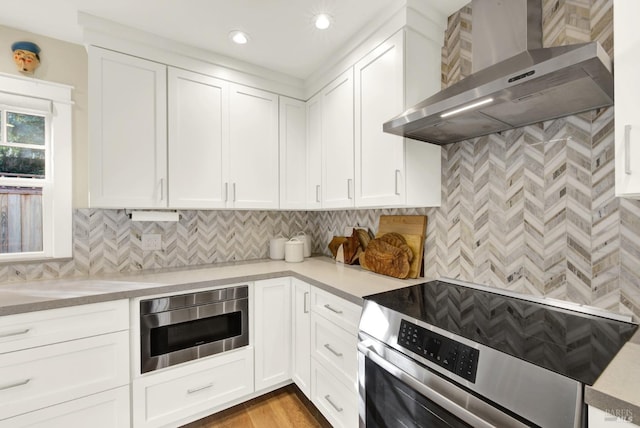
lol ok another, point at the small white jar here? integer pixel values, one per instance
(307, 243)
(294, 250)
(276, 248)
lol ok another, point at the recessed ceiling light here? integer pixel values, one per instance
(322, 21)
(239, 37)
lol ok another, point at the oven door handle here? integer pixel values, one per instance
(429, 393)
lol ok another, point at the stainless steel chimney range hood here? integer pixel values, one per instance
(532, 86)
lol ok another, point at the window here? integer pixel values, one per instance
(35, 169)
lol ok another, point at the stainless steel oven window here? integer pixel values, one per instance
(185, 327)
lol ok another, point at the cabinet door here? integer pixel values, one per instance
(314, 152)
(253, 148)
(300, 336)
(293, 154)
(337, 143)
(627, 123)
(379, 88)
(198, 140)
(128, 131)
(272, 327)
(39, 377)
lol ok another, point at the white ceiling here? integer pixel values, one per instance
(283, 37)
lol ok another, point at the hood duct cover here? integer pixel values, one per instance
(532, 86)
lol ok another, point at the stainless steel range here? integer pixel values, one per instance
(452, 354)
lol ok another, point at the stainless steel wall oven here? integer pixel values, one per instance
(452, 354)
(185, 327)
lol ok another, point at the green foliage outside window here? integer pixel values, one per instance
(23, 129)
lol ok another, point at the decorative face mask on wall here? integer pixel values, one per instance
(26, 56)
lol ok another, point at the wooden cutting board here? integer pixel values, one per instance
(414, 230)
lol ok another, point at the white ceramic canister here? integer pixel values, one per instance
(276, 248)
(307, 243)
(294, 250)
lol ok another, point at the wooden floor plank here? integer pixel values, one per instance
(283, 408)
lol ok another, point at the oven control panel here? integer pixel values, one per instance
(454, 356)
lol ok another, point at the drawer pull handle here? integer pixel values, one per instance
(306, 300)
(16, 333)
(328, 398)
(333, 351)
(14, 385)
(627, 149)
(335, 311)
(201, 388)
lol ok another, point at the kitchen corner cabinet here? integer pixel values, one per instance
(300, 335)
(627, 121)
(337, 142)
(253, 148)
(198, 140)
(272, 332)
(391, 170)
(293, 154)
(128, 131)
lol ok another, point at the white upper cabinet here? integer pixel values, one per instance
(314, 153)
(253, 149)
(627, 124)
(198, 140)
(293, 153)
(391, 170)
(128, 131)
(379, 87)
(337, 143)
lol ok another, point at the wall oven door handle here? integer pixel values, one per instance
(429, 393)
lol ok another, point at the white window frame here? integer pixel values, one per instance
(53, 100)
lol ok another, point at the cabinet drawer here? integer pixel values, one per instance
(28, 330)
(35, 378)
(172, 395)
(107, 409)
(335, 348)
(335, 401)
(343, 313)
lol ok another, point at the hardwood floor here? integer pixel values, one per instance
(285, 407)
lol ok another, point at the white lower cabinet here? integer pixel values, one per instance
(272, 331)
(34, 378)
(194, 390)
(335, 348)
(64, 365)
(334, 357)
(336, 401)
(107, 409)
(301, 335)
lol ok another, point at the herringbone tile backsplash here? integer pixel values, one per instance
(531, 209)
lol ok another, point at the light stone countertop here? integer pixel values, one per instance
(348, 282)
(617, 388)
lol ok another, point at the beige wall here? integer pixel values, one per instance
(66, 63)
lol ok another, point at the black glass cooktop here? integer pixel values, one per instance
(571, 343)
